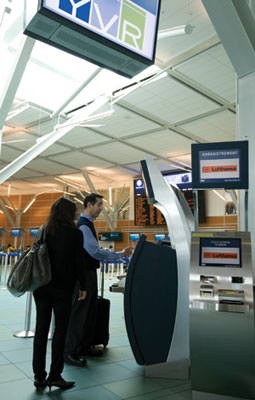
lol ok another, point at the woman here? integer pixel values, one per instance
(65, 248)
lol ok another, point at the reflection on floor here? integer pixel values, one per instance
(111, 377)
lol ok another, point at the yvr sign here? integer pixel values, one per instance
(129, 23)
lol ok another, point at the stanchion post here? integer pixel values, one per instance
(26, 333)
(5, 272)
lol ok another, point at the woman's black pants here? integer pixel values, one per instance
(48, 299)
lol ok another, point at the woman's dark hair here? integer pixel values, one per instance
(62, 213)
(91, 198)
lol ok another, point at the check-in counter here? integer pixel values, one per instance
(222, 341)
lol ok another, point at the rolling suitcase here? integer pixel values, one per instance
(102, 317)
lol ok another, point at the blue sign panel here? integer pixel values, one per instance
(33, 231)
(15, 232)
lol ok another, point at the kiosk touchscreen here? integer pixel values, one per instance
(222, 347)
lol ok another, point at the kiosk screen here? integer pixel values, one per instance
(159, 236)
(134, 237)
(220, 252)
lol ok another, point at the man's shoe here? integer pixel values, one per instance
(75, 360)
(92, 352)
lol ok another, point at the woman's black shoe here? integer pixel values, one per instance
(40, 384)
(60, 383)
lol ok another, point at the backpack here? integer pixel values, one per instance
(32, 269)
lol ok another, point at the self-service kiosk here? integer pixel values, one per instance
(222, 337)
(156, 299)
(150, 303)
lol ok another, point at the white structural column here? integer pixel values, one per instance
(14, 80)
(235, 25)
(246, 124)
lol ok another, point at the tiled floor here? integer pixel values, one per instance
(111, 377)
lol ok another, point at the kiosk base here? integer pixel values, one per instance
(171, 370)
(209, 396)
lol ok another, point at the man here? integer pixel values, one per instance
(82, 321)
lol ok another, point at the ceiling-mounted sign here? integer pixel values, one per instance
(116, 34)
(131, 24)
(220, 165)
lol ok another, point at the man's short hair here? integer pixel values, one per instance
(91, 198)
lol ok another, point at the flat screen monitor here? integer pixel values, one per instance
(33, 231)
(222, 165)
(15, 232)
(159, 236)
(220, 252)
(116, 34)
(134, 237)
(110, 236)
(139, 188)
(182, 179)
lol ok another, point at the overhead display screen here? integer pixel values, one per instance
(110, 236)
(33, 231)
(220, 165)
(182, 180)
(15, 232)
(219, 252)
(159, 236)
(145, 213)
(134, 237)
(131, 24)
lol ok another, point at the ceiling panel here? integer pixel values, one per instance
(82, 137)
(169, 100)
(216, 128)
(26, 173)
(49, 167)
(124, 122)
(214, 71)
(164, 143)
(24, 113)
(81, 160)
(117, 152)
(9, 154)
(54, 149)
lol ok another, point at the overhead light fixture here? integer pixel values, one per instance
(29, 205)
(79, 201)
(219, 195)
(176, 31)
(89, 119)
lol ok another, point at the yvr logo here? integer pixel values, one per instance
(124, 20)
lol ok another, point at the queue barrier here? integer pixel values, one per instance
(26, 332)
(5, 257)
(111, 267)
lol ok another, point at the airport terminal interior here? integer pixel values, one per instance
(150, 104)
